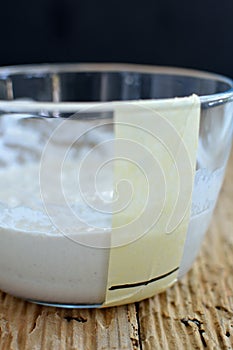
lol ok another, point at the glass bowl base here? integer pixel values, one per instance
(66, 306)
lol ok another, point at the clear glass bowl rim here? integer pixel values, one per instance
(15, 106)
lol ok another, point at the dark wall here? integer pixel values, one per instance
(195, 34)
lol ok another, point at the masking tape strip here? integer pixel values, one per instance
(155, 159)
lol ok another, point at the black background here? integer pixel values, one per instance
(197, 34)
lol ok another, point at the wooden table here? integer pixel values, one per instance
(197, 313)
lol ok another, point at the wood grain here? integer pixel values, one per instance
(197, 313)
(28, 326)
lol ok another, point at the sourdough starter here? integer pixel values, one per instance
(40, 262)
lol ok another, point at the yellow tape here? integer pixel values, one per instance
(155, 159)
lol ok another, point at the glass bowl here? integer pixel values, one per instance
(39, 261)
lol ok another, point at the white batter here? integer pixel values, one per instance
(39, 262)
